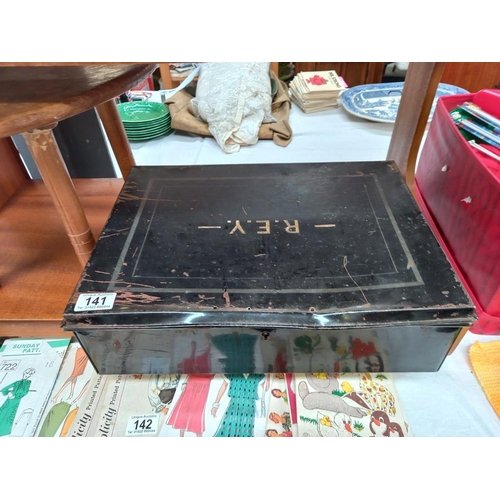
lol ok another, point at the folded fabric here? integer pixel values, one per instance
(280, 132)
(485, 359)
(234, 98)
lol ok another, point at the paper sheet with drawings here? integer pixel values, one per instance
(28, 371)
(219, 405)
(68, 393)
(279, 421)
(349, 405)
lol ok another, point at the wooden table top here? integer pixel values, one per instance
(36, 95)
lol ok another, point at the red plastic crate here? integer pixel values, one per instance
(458, 189)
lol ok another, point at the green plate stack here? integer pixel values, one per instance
(144, 120)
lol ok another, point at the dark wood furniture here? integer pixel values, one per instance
(44, 224)
(170, 82)
(472, 76)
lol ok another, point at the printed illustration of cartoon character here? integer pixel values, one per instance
(340, 426)
(376, 395)
(381, 425)
(325, 398)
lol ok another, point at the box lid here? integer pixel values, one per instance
(320, 245)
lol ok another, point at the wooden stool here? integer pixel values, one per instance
(35, 97)
(38, 269)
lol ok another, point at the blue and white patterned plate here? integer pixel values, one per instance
(379, 102)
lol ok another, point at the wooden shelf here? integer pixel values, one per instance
(39, 268)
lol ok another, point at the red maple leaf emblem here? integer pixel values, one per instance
(316, 80)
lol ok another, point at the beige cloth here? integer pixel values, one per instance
(280, 132)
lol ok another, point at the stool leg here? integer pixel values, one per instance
(421, 83)
(116, 134)
(50, 163)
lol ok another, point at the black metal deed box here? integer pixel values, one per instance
(321, 267)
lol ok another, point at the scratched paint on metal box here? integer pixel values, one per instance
(268, 247)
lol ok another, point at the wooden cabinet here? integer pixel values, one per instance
(354, 73)
(472, 76)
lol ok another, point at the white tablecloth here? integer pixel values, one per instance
(449, 402)
(332, 135)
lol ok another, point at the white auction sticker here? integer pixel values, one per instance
(142, 425)
(95, 301)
